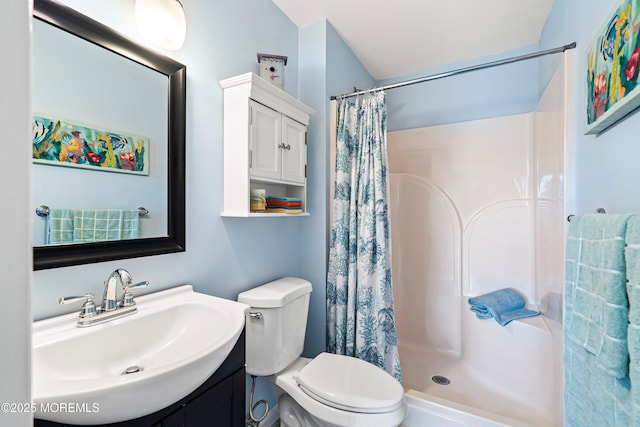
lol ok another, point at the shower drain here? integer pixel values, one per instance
(440, 380)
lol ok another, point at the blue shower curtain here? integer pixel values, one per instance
(360, 316)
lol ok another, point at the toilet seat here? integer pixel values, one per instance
(350, 384)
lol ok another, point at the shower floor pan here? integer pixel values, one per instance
(467, 400)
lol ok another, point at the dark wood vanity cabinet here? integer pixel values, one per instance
(219, 402)
(214, 407)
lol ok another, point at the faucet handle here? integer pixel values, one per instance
(89, 308)
(127, 296)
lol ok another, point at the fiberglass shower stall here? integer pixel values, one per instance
(478, 206)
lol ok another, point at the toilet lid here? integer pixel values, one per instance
(351, 384)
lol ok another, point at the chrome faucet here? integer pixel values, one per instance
(110, 308)
(109, 296)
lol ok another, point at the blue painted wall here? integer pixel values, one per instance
(227, 256)
(606, 165)
(224, 256)
(327, 67)
(499, 91)
(607, 172)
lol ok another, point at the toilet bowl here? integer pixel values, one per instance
(343, 397)
(328, 390)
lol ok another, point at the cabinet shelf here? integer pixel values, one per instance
(265, 145)
(260, 180)
(260, 214)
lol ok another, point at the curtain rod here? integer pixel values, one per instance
(460, 71)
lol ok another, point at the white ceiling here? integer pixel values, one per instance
(397, 37)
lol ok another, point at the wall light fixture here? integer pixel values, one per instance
(162, 22)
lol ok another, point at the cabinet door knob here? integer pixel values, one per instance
(287, 147)
(281, 145)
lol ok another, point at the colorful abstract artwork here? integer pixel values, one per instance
(612, 68)
(64, 143)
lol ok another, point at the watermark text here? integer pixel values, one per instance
(50, 407)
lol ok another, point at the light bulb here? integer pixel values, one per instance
(162, 22)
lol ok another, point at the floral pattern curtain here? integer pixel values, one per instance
(360, 317)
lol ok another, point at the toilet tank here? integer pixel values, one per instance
(275, 337)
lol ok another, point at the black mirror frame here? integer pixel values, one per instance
(75, 23)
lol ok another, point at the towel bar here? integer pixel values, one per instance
(43, 210)
(599, 210)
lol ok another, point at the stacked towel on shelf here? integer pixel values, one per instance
(503, 305)
(290, 205)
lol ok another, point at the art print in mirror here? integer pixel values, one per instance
(94, 92)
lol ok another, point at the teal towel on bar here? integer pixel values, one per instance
(596, 305)
(503, 305)
(95, 225)
(59, 226)
(593, 398)
(597, 390)
(632, 255)
(130, 224)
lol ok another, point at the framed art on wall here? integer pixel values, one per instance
(612, 68)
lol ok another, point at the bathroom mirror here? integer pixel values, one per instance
(122, 87)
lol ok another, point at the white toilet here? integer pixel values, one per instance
(329, 390)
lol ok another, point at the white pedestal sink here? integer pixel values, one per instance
(177, 339)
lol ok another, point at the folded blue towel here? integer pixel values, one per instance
(504, 305)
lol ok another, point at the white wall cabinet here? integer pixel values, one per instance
(277, 146)
(264, 144)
